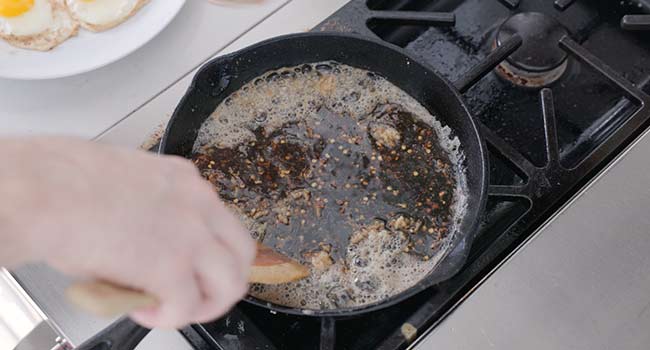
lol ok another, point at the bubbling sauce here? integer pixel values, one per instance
(341, 170)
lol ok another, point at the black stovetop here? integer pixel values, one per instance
(545, 143)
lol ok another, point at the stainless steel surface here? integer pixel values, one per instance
(22, 325)
(47, 288)
(581, 282)
(40, 338)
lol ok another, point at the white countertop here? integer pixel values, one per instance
(87, 104)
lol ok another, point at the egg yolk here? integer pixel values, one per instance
(13, 8)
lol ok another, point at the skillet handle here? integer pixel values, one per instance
(123, 334)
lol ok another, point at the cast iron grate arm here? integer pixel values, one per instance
(514, 158)
(636, 22)
(562, 5)
(328, 334)
(414, 18)
(588, 58)
(511, 4)
(550, 128)
(488, 64)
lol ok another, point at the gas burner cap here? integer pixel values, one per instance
(541, 33)
(539, 61)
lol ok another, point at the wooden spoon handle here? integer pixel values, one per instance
(109, 300)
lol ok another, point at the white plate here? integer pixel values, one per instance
(88, 51)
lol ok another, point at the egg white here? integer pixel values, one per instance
(44, 26)
(36, 20)
(99, 15)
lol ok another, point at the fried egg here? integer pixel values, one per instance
(36, 24)
(100, 15)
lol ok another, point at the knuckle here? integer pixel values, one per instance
(238, 292)
(174, 316)
(246, 247)
(178, 306)
(162, 280)
(250, 246)
(199, 186)
(159, 179)
(180, 262)
(242, 290)
(181, 165)
(237, 288)
(189, 167)
(213, 310)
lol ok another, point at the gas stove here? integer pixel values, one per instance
(559, 89)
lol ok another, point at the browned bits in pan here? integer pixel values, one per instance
(340, 175)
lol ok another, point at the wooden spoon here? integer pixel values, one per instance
(109, 300)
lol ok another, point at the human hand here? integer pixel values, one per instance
(127, 217)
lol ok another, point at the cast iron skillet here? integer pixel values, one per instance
(224, 75)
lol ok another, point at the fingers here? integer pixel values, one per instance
(180, 298)
(206, 277)
(227, 228)
(204, 292)
(222, 280)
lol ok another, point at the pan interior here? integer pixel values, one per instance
(342, 170)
